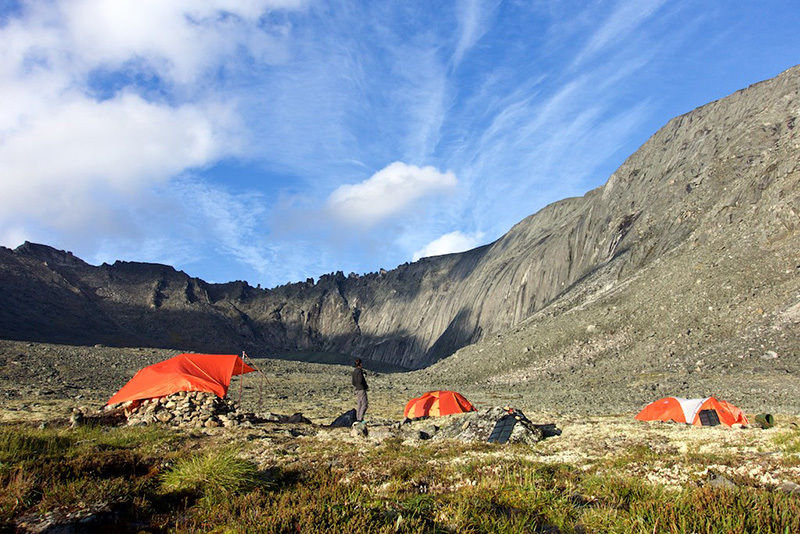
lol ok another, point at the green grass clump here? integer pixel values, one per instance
(212, 473)
(788, 442)
(18, 443)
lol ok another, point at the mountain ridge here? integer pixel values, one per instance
(727, 168)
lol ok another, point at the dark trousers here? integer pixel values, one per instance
(361, 404)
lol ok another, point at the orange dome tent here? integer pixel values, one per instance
(436, 403)
(185, 372)
(699, 412)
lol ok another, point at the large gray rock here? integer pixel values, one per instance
(477, 426)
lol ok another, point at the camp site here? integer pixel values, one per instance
(399, 267)
(232, 430)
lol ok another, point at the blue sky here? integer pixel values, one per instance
(276, 140)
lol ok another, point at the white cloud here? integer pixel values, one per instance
(70, 158)
(389, 193)
(448, 244)
(180, 39)
(63, 157)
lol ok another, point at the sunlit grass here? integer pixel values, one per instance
(788, 441)
(19, 443)
(184, 483)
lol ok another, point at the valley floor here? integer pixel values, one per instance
(601, 474)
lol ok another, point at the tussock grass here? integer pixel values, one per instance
(62, 468)
(19, 443)
(212, 473)
(708, 511)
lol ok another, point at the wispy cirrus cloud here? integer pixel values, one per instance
(473, 22)
(625, 19)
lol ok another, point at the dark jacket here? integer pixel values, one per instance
(359, 382)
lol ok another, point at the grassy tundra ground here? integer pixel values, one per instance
(602, 474)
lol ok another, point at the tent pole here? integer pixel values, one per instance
(263, 378)
(241, 379)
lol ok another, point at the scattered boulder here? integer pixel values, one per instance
(94, 517)
(716, 480)
(359, 430)
(789, 487)
(280, 418)
(77, 418)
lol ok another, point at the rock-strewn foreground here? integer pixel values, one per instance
(680, 276)
(43, 382)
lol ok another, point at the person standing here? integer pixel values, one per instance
(360, 385)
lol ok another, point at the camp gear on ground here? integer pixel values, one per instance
(502, 429)
(699, 412)
(345, 420)
(185, 372)
(505, 426)
(435, 403)
(765, 420)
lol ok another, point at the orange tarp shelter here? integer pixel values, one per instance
(434, 403)
(186, 372)
(692, 411)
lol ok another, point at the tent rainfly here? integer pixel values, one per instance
(186, 372)
(700, 412)
(434, 403)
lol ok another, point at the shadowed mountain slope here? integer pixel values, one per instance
(714, 186)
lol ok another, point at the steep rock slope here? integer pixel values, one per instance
(727, 169)
(701, 296)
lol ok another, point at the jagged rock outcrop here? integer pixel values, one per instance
(725, 171)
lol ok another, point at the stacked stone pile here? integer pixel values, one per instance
(187, 409)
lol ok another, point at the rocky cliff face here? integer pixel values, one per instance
(725, 173)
